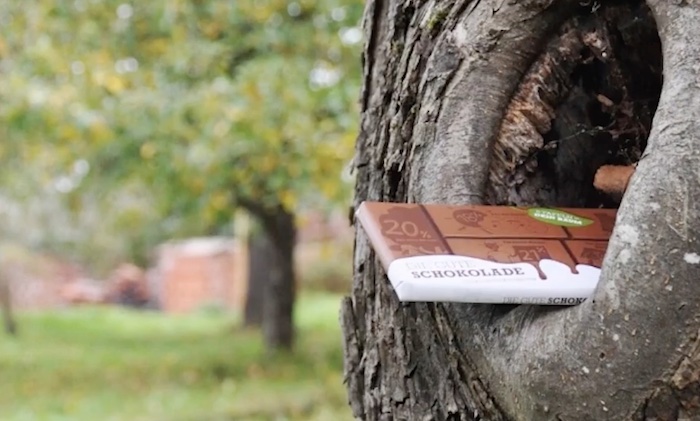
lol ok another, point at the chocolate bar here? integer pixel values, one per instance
(489, 254)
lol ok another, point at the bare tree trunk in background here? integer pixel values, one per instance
(6, 306)
(519, 102)
(280, 290)
(279, 228)
(261, 256)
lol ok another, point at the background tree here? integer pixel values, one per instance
(519, 103)
(179, 112)
(8, 318)
(260, 260)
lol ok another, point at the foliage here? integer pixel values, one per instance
(111, 364)
(154, 119)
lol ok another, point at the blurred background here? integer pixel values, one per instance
(174, 190)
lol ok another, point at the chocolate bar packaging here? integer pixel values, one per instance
(489, 254)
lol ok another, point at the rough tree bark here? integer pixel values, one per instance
(279, 293)
(518, 102)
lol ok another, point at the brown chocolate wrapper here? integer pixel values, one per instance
(502, 234)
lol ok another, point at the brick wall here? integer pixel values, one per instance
(199, 272)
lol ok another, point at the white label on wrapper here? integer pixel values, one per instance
(471, 280)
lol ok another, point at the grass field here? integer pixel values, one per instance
(114, 364)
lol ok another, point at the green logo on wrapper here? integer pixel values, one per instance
(557, 217)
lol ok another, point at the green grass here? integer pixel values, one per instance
(115, 364)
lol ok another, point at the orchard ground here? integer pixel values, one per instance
(114, 364)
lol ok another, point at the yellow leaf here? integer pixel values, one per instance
(196, 184)
(157, 46)
(211, 30)
(267, 164)
(329, 187)
(288, 200)
(114, 84)
(100, 132)
(252, 92)
(220, 200)
(148, 150)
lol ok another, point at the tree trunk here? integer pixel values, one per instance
(261, 254)
(8, 318)
(278, 303)
(506, 102)
(280, 286)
